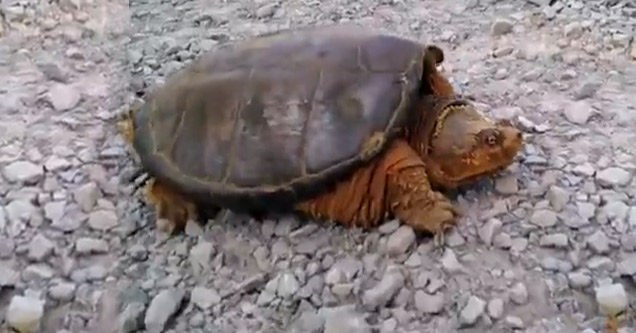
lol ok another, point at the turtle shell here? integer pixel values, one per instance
(271, 120)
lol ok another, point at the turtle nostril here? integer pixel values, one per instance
(519, 135)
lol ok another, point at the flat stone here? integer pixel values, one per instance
(23, 172)
(63, 97)
(613, 176)
(543, 218)
(162, 308)
(384, 291)
(40, 248)
(578, 112)
(495, 308)
(103, 220)
(427, 303)
(86, 245)
(205, 298)
(501, 27)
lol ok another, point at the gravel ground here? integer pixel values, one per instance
(547, 246)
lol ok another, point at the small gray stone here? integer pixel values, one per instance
(514, 322)
(613, 176)
(63, 291)
(472, 311)
(103, 220)
(54, 211)
(501, 27)
(598, 242)
(381, 293)
(389, 227)
(23, 172)
(40, 248)
(587, 89)
(56, 164)
(86, 245)
(507, 184)
(344, 319)
(543, 218)
(63, 97)
(627, 266)
(519, 293)
(400, 241)
(559, 240)
(429, 304)
(558, 197)
(488, 230)
(131, 319)
(573, 30)
(287, 285)
(578, 112)
(25, 313)
(579, 279)
(495, 308)
(205, 298)
(86, 196)
(161, 309)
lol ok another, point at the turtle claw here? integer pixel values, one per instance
(439, 241)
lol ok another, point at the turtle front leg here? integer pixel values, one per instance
(410, 196)
(395, 184)
(172, 209)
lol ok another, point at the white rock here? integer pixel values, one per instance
(23, 172)
(501, 27)
(488, 230)
(63, 97)
(205, 298)
(161, 309)
(519, 293)
(103, 220)
(559, 240)
(40, 248)
(578, 112)
(384, 291)
(472, 311)
(86, 245)
(24, 314)
(496, 308)
(427, 303)
(611, 298)
(400, 241)
(543, 218)
(598, 242)
(613, 176)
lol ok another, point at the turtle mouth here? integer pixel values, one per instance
(445, 110)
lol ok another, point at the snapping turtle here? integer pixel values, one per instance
(336, 122)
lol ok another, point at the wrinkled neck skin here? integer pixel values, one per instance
(453, 143)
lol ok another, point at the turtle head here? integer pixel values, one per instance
(462, 145)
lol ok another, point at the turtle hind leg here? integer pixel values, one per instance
(395, 184)
(173, 210)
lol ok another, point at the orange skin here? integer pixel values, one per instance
(400, 182)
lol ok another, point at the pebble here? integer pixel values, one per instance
(598, 242)
(400, 241)
(23, 172)
(543, 218)
(86, 245)
(63, 291)
(558, 198)
(161, 309)
(519, 293)
(63, 97)
(514, 322)
(501, 27)
(579, 279)
(613, 176)
(495, 308)
(488, 230)
(427, 303)
(25, 313)
(627, 265)
(611, 298)
(578, 112)
(472, 311)
(204, 297)
(102, 220)
(383, 291)
(507, 184)
(558, 240)
(40, 248)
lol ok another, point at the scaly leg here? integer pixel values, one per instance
(395, 184)
(172, 209)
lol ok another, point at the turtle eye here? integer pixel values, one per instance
(491, 140)
(489, 137)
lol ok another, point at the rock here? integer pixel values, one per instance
(86, 196)
(613, 176)
(501, 27)
(579, 279)
(23, 172)
(598, 242)
(587, 89)
(558, 240)
(55, 164)
(558, 198)
(131, 319)
(86, 245)
(63, 97)
(24, 314)
(162, 308)
(488, 230)
(429, 304)
(543, 218)
(472, 311)
(573, 30)
(102, 220)
(627, 266)
(344, 319)
(40, 248)
(578, 112)
(514, 322)
(384, 291)
(611, 298)
(63, 291)
(495, 308)
(204, 298)
(287, 285)
(400, 240)
(519, 293)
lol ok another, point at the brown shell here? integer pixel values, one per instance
(274, 119)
